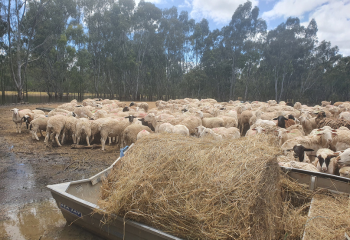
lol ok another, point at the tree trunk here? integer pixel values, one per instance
(232, 82)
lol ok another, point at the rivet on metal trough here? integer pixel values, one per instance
(313, 183)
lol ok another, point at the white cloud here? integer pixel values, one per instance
(220, 11)
(295, 8)
(333, 21)
(332, 18)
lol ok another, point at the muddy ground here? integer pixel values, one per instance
(27, 210)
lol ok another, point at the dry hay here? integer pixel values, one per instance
(199, 189)
(296, 202)
(329, 217)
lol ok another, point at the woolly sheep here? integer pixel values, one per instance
(207, 132)
(100, 114)
(70, 128)
(322, 120)
(55, 126)
(345, 116)
(17, 116)
(299, 165)
(344, 172)
(83, 127)
(142, 134)
(326, 161)
(130, 133)
(255, 130)
(322, 140)
(284, 135)
(83, 112)
(39, 123)
(114, 128)
(227, 133)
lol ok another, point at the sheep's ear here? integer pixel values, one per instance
(334, 134)
(289, 150)
(264, 130)
(140, 119)
(308, 150)
(254, 129)
(275, 119)
(320, 129)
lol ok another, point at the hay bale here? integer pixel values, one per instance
(329, 217)
(199, 189)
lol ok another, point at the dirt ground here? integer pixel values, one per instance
(27, 166)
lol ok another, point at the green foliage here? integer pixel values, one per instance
(119, 50)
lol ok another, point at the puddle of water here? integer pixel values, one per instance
(41, 220)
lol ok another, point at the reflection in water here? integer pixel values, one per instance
(41, 220)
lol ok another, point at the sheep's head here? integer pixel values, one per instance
(15, 111)
(149, 117)
(131, 118)
(27, 119)
(131, 104)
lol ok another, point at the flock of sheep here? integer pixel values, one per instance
(318, 136)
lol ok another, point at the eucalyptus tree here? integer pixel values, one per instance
(244, 25)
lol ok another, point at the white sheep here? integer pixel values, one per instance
(142, 134)
(70, 128)
(207, 132)
(255, 130)
(131, 132)
(299, 165)
(284, 135)
(214, 122)
(55, 125)
(83, 126)
(39, 123)
(83, 112)
(17, 116)
(227, 133)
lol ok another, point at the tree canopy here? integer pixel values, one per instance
(118, 49)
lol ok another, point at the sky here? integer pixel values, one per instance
(332, 16)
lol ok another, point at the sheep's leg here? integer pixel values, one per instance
(47, 136)
(20, 125)
(36, 135)
(52, 137)
(103, 142)
(74, 137)
(58, 142)
(110, 140)
(41, 132)
(92, 138)
(87, 140)
(78, 139)
(63, 135)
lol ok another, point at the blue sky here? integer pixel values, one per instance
(332, 16)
